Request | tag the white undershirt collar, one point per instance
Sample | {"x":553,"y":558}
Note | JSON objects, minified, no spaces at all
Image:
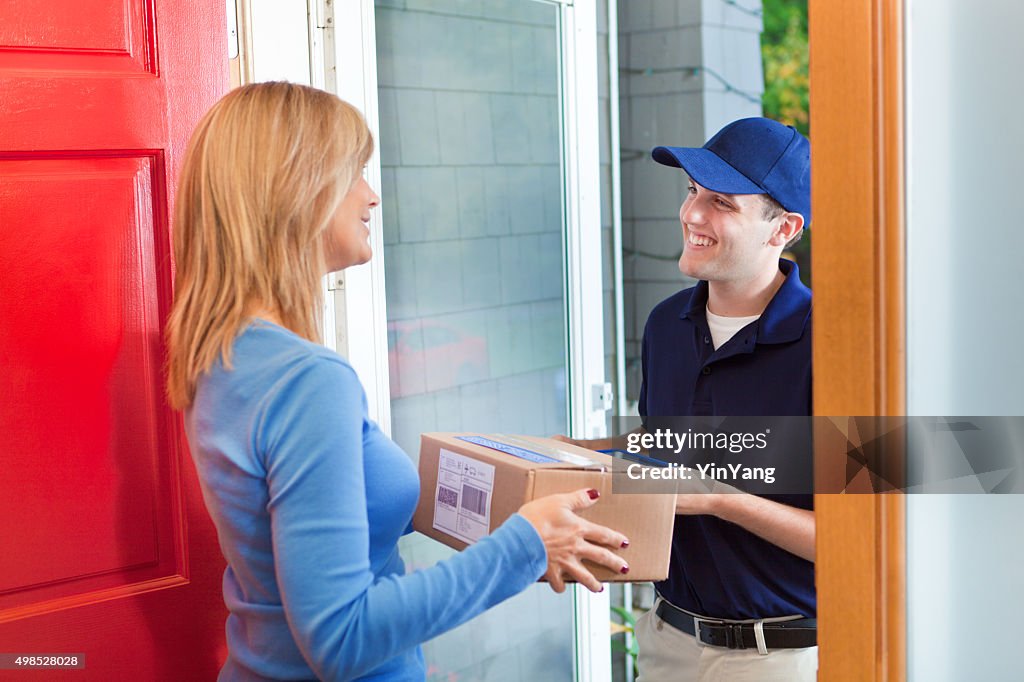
{"x":724,"y":328}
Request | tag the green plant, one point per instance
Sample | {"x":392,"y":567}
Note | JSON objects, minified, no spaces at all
{"x":628,"y":625}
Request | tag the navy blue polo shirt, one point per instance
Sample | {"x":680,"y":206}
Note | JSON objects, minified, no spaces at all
{"x":718,"y":569}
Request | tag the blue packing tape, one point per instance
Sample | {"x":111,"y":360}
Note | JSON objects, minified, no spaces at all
{"x":521,"y":453}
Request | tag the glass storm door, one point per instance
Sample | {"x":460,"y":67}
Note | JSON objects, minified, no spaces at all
{"x":482,"y":309}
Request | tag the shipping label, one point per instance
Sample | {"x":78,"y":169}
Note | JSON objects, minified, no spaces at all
{"x":462,"y":499}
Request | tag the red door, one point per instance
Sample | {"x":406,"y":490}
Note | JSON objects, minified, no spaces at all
{"x":105,"y":547}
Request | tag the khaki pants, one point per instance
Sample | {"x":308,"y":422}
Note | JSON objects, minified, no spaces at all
{"x":669,"y":655}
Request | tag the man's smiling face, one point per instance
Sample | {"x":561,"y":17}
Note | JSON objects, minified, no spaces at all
{"x":726,"y":237}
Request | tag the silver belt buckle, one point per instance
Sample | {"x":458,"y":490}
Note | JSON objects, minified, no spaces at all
{"x":696,"y":632}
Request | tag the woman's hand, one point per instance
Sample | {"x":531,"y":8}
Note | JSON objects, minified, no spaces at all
{"x":569,"y":538}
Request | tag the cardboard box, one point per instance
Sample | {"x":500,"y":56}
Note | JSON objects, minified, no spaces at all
{"x":470,"y":483}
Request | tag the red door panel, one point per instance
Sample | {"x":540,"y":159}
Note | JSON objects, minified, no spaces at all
{"x":88,"y":35}
{"x":105,"y":547}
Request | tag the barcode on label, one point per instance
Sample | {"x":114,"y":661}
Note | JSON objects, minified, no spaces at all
{"x":447,"y":496}
{"x":474,"y":500}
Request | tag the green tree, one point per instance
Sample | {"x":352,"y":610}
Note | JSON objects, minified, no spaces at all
{"x":786,"y":84}
{"x":785,"y":57}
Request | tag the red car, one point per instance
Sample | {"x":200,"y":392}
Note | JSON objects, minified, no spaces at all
{"x":425,"y":355}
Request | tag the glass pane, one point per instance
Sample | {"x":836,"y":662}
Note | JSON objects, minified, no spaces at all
{"x":472,"y":188}
{"x":964,"y":552}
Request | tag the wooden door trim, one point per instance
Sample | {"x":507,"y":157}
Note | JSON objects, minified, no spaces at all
{"x":856,"y":73}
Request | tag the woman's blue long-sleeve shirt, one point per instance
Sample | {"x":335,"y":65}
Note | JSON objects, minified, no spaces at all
{"x":309,"y":499}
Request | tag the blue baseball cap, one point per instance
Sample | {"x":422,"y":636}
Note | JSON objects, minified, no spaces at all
{"x":750,"y":156}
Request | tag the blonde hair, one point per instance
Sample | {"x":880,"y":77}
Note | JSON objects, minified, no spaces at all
{"x":264,"y":173}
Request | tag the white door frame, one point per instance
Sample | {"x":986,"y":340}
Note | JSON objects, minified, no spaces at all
{"x":584,"y":290}
{"x":350,"y":64}
{"x":363,"y":323}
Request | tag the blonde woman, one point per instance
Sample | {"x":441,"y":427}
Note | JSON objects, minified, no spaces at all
{"x":308,"y":496}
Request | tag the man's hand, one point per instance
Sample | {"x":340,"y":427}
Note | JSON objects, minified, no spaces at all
{"x":619,"y":442}
{"x":592,"y":444}
{"x":790,"y":528}
{"x":695,"y":495}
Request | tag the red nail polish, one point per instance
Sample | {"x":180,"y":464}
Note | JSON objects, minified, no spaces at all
{"x":624,"y":570}
{"x":625,"y":544}
{"x":593,"y":493}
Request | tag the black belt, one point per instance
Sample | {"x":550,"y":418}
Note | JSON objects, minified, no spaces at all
{"x":790,"y":634}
